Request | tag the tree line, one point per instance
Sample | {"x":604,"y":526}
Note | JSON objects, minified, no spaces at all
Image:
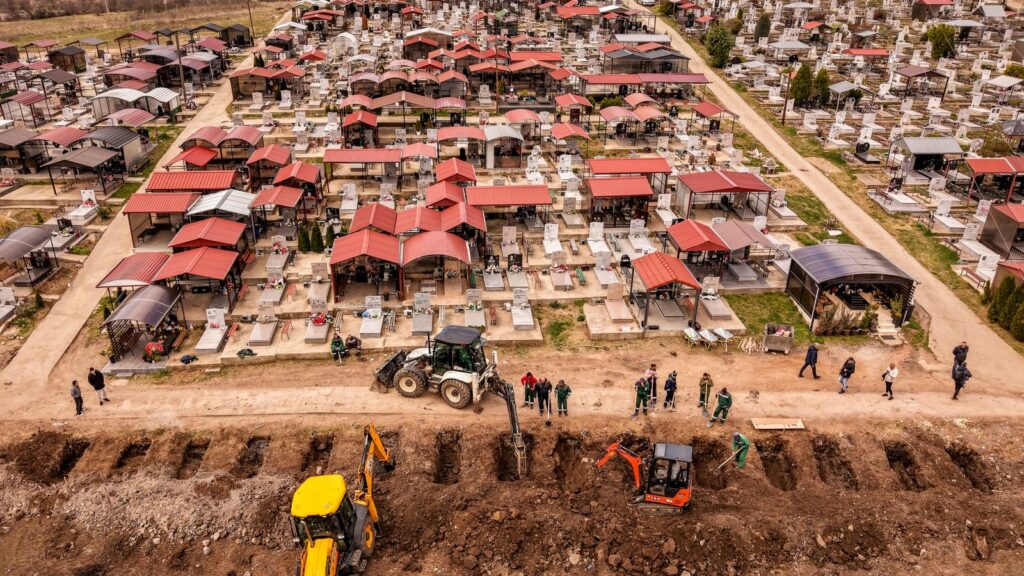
{"x":37,"y":9}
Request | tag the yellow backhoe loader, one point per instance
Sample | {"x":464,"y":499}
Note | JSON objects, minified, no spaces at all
{"x":337,"y":528}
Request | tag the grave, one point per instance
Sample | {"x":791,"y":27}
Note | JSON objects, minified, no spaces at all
{"x":522,"y":312}
{"x":372,"y":324}
{"x":215,"y":333}
{"x":318,"y":325}
{"x":8,"y":304}
{"x":265,"y":327}
{"x":616,"y":305}
{"x":606,"y":275}
{"x":422,"y":315}
{"x":638,"y":237}
{"x":474,"y":315}
{"x":85,"y":212}
{"x":516,"y":274}
{"x":560,"y":277}
{"x":551,"y":241}
{"x":493,"y":279}
{"x":509,"y":241}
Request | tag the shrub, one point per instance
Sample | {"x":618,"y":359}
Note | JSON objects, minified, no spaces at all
{"x":303,"y":239}
{"x":763,"y":28}
{"x":999,"y":300}
{"x":1017,"y":324}
{"x":316,"y":240}
{"x":943,"y":39}
{"x":801,"y":87}
{"x":719,"y":42}
{"x":820,"y":91}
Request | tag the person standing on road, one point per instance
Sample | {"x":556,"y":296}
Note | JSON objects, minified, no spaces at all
{"x":529,"y":383}
{"x":740,"y":447}
{"x":670,"y":391}
{"x":960,"y":355}
{"x":543,"y":392}
{"x":641,"y":397}
{"x":849,"y":367}
{"x":562,"y":393}
{"x":888,"y":376}
{"x":960,"y":377}
{"x":810,"y":361}
{"x":76,"y":395}
{"x":724,"y":404}
{"x":705,"y":393}
{"x":651,"y":375}
{"x":95,"y":380}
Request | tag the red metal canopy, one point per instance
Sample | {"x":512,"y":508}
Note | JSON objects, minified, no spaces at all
{"x":564,"y":130}
{"x":301,"y":171}
{"x":710,"y":109}
{"x":134,"y":270}
{"x":720,"y":181}
{"x":455,"y":170}
{"x":418,"y":218}
{"x":427,"y":244}
{"x":366,"y":243}
{"x":273,"y":153}
{"x":285,"y":196}
{"x":453,"y":132}
{"x":463,"y":213}
{"x":656,"y":165}
{"x":163,"y":203}
{"x":376,"y":215}
{"x":508,"y":196}
{"x":210,"y":232}
{"x":205,"y":262}
{"x":566,"y":100}
{"x":191,"y":180}
{"x":620,"y":187}
{"x":363,"y":156}
{"x":658,"y":269}
{"x":993,"y":166}
{"x":693,"y":236}
{"x":444,"y":194}
{"x":196,"y":156}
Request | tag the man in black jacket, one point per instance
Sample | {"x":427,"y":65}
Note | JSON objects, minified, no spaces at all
{"x":960,"y":377}
{"x":811,"y":359}
{"x":543,"y":389}
{"x":670,"y":391}
{"x":95,"y":379}
{"x":960,"y":355}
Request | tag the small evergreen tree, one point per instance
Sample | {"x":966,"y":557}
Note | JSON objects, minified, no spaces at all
{"x":943,"y":39}
{"x":719,"y":42}
{"x":303,"y":239}
{"x":820,"y":91}
{"x":316,"y":240}
{"x":986,"y":294}
{"x":329,"y":240}
{"x":1017,"y":324}
{"x":1010,"y":308}
{"x":39,"y":301}
{"x":1003,"y":293}
{"x":763,"y":28}
{"x":801,"y":86}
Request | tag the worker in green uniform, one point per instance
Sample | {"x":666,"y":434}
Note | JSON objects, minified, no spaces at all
{"x":740,"y":446}
{"x":642,"y":394}
{"x":562,"y":393}
{"x":705,"y":393}
{"x":724,"y":403}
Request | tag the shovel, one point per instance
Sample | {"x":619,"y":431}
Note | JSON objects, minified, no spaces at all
{"x":727,"y":460}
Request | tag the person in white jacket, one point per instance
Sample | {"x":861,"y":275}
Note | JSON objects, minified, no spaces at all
{"x":888,"y":376}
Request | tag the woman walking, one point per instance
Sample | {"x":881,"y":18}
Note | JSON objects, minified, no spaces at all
{"x":849,"y":367}
{"x":888,"y":376}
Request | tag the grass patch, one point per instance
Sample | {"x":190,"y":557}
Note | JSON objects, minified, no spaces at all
{"x":812,"y":211}
{"x":557,"y":332}
{"x":126,"y":190}
{"x":756,"y":310}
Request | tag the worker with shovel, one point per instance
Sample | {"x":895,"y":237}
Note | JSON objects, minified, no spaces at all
{"x":724,"y":403}
{"x":740,"y":446}
{"x":562,"y":393}
{"x":705,"y":393}
{"x":641,"y":396}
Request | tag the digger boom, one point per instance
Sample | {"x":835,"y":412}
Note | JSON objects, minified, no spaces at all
{"x":508,"y":392}
{"x":373,"y":451}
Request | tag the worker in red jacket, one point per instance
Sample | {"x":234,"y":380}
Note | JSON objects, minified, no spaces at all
{"x":529,"y":383}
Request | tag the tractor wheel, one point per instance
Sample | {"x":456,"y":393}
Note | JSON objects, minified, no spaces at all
{"x":410,"y":382}
{"x":456,"y":394}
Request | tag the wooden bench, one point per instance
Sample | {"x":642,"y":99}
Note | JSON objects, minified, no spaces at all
{"x":289,"y":291}
{"x":233,"y":332}
{"x":492,"y":312}
{"x":973,"y":277}
{"x":176,"y":345}
{"x":286,"y":329}
{"x":581,"y":276}
{"x":242,"y":291}
{"x":536,"y":278}
{"x":575,"y":249}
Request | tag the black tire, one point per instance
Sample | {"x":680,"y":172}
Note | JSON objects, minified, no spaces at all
{"x":456,"y":394}
{"x":410,"y":382}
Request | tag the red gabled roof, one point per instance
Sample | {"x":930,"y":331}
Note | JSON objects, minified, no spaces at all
{"x":564,"y":130}
{"x":419,"y":149}
{"x":934,"y":2}
{"x":209,"y":232}
{"x":566,"y":12}
{"x":991,"y":166}
{"x":1014,"y":211}
{"x":301,"y":171}
{"x":535,"y":55}
{"x":134,"y":270}
{"x":212,"y":44}
{"x":366,"y":243}
{"x":462,"y":213}
{"x":630,"y":186}
{"x":508,"y":196}
{"x":163,"y":203}
{"x":693,"y":236}
{"x":723,"y":181}
{"x":656,"y":165}
{"x":27,"y":98}
{"x":709,"y":109}
{"x":204,"y":262}
{"x":427,"y":244}
{"x":521,"y":115}
{"x":566,"y":100}
{"x":867,"y":52}
{"x":285,"y":196}
{"x":658,"y":269}
{"x":444,"y":194}
{"x":417,"y":218}
{"x":132,"y":117}
{"x":364,"y":117}
{"x":273,"y":153}
{"x":455,"y":170}
{"x":362,"y":156}
{"x":197,"y":180}
{"x":376,"y":215}
{"x":63,"y":137}
{"x":453,"y":132}
{"x":196,"y":156}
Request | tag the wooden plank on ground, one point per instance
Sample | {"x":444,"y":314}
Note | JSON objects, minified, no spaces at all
{"x":777,"y":423}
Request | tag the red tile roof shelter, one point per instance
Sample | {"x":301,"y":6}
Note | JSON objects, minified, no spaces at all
{"x":444,"y":194}
{"x":693,"y":236}
{"x":209,"y":232}
{"x":506,"y":196}
{"x":455,"y":170}
{"x":205,"y":262}
{"x":375,"y":215}
{"x":284,"y":196}
{"x":426,"y":244}
{"x":660,"y":272}
{"x":366,"y":243}
{"x":619,"y":187}
{"x":419,"y":218}
{"x":725,"y":183}
{"x":192,"y":181}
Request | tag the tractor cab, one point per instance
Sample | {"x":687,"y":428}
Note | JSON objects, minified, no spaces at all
{"x":458,"y":348}
{"x":324,"y":524}
{"x":668,"y":474}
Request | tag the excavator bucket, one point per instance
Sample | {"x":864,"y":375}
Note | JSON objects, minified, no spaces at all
{"x":386,"y":373}
{"x":508,"y":393}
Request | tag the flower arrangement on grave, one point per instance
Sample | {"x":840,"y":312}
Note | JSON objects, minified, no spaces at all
{"x":279,"y":248}
{"x":319,"y":319}
{"x":153,"y":352}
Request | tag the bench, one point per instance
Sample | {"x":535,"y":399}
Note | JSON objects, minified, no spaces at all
{"x":536,"y":278}
{"x":573,"y":247}
{"x":233,"y":332}
{"x":290,"y":292}
{"x":242,"y":291}
{"x":581,"y":276}
{"x":973,"y":277}
{"x":286,"y":329}
{"x":492,"y":312}
{"x":176,"y":345}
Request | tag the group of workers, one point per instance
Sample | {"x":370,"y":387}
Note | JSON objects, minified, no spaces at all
{"x":538,"y":391}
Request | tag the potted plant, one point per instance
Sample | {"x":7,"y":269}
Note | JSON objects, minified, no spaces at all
{"x":153,"y":352}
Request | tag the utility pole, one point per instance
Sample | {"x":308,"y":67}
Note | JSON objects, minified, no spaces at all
{"x":181,"y":69}
{"x":785,"y":103}
{"x":252,"y":26}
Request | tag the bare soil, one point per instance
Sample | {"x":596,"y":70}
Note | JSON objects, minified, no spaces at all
{"x":869,"y":496}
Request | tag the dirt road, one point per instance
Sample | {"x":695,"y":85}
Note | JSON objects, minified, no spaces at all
{"x":952,"y":321}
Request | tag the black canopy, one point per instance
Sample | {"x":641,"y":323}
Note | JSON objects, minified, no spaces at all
{"x":22,"y":241}
{"x":458,"y":335}
{"x":829,"y":262}
{"x":148,"y":305}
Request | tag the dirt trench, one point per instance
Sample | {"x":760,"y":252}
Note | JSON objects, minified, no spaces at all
{"x":448,"y":457}
{"x":506,"y":463}
{"x":251,"y":459}
{"x":834,"y":468}
{"x":132,"y":456}
{"x":969,"y":462}
{"x":192,"y":458}
{"x":708,"y":453}
{"x":570,"y":472}
{"x":902,"y":462}
{"x":318,"y":456}
{"x":776,"y":462}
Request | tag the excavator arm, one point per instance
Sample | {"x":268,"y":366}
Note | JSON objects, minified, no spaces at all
{"x":628,"y":455}
{"x":373,"y":451}
{"x":508,"y":392}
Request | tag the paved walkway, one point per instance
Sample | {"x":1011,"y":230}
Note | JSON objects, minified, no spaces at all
{"x":993,"y":361}
{"x":32,"y":366}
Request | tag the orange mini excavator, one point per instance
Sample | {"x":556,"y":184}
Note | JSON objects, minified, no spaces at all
{"x":667,"y":485}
